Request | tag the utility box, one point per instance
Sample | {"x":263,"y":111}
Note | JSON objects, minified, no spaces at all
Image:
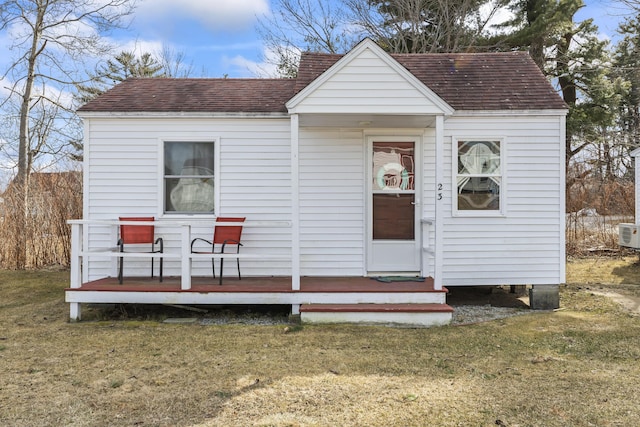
{"x":629,"y":235}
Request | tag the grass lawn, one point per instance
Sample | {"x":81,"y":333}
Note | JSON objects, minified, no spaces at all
{"x":578,"y":366}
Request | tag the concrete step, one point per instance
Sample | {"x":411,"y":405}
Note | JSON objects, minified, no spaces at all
{"x":428,"y":314}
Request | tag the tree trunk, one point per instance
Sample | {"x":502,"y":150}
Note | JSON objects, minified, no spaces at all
{"x":24,"y":146}
{"x":534,"y":11}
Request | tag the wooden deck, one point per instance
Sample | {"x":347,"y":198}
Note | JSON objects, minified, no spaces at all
{"x":258,"y":285}
{"x":319,"y":299}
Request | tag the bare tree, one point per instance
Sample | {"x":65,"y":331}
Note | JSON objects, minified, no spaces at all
{"x":174,"y":63}
{"x":299,"y":25}
{"x":631,"y":4}
{"x":50,"y":40}
{"x":424,"y":26}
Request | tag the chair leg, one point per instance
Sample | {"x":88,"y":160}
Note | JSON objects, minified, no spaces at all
{"x":221,"y":269}
{"x":213,"y":267}
{"x":161,"y":265}
{"x":120,"y":268}
{"x":239,"y":277}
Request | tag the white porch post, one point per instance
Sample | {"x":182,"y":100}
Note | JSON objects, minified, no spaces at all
{"x":439,"y":198}
{"x":185,"y":248}
{"x":75,"y":278}
{"x":76,"y":257}
{"x":295,"y":206}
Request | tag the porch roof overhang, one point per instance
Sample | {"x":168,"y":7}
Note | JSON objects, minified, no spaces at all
{"x":367,"y":121}
{"x":367,"y":88}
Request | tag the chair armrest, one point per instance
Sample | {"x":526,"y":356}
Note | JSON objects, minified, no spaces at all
{"x":231,"y":241}
{"x":121,"y":244}
{"x":160,"y":241}
{"x":201,"y":239}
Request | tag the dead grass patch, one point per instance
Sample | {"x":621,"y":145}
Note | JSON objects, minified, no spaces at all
{"x":579,"y":366}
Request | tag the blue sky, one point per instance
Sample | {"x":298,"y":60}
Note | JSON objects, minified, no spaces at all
{"x":218,"y":37}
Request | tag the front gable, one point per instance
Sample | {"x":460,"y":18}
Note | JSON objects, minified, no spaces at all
{"x":367,"y":81}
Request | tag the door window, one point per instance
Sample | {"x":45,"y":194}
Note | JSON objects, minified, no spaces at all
{"x":393,"y":187}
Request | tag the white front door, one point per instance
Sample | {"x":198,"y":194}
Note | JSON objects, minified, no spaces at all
{"x":393,"y":175}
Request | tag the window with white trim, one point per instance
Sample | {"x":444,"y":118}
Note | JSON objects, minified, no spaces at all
{"x":478,"y":180}
{"x":189,"y":177}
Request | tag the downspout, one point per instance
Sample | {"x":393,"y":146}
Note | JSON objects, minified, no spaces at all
{"x":86,"y":156}
{"x":295,"y":207}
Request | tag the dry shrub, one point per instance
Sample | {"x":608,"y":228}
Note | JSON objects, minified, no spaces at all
{"x":606,"y":198}
{"x":595,"y":207}
{"x":53,"y":199}
{"x":593,"y":234}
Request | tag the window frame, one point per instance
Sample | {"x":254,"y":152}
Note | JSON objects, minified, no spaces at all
{"x":162,"y":178}
{"x":502,"y":211}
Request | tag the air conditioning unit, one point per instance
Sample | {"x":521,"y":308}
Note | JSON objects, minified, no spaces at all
{"x":629,"y":235}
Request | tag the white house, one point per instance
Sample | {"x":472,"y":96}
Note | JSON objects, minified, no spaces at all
{"x":448,"y":167}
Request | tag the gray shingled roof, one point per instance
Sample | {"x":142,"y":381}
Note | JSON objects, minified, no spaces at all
{"x":195,"y":95}
{"x":485,"y":81}
{"x":466,"y":81}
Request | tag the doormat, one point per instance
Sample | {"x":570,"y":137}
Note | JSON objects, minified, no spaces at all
{"x":389,"y":279}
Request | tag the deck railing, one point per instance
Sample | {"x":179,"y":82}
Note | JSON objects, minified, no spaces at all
{"x":81,"y":252}
{"x":428,"y":251}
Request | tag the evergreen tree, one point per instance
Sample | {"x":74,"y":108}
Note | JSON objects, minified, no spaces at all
{"x":627,"y":68}
{"x":123,"y":66}
{"x":424,"y":26}
{"x":571,"y":55}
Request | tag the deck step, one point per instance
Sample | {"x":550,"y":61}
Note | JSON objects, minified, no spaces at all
{"x":376,"y":308}
{"x":428,"y":314}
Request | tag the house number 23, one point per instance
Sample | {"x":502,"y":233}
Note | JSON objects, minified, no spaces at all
{"x":439,"y":191}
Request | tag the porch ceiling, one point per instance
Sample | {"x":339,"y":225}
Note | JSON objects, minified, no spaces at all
{"x":367,"y":121}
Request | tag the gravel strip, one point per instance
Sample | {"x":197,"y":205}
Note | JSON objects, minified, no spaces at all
{"x":462,"y":315}
{"x":469,"y":314}
{"x":244,"y":320}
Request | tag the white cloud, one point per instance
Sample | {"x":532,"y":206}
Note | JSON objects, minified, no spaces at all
{"x":496,"y":15}
{"x":139,"y":47}
{"x":246,"y":67}
{"x":228,"y":15}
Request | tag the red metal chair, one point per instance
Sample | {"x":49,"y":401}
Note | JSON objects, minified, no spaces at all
{"x":223,"y":235}
{"x":136,"y":235}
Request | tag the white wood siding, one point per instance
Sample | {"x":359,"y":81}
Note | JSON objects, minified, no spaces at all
{"x":331,"y":202}
{"x":367,"y":85}
{"x":524,"y":246}
{"x":255,"y":181}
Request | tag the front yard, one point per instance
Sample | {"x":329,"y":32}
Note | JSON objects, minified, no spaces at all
{"x":577,"y":366}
